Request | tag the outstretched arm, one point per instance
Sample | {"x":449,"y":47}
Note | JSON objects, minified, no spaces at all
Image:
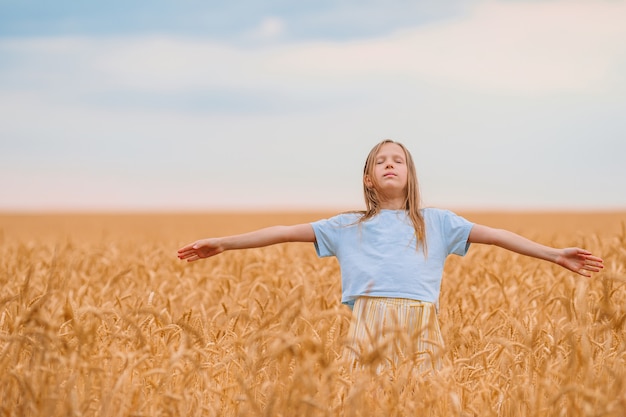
{"x":576,"y":260}
{"x":205,"y":248}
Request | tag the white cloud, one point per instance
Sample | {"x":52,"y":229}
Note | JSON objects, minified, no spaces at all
{"x":270,"y":27}
{"x":393,"y":86}
{"x":503,"y":47}
{"x":512,"y":47}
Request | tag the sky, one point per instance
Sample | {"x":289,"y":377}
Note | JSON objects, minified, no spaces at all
{"x":247,"y":105}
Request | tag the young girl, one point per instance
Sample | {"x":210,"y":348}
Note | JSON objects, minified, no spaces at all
{"x":392,"y":256}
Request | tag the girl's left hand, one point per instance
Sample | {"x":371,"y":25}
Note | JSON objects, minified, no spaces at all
{"x":580,"y":261}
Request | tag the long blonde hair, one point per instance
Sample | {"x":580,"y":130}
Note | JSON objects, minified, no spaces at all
{"x":412,"y":201}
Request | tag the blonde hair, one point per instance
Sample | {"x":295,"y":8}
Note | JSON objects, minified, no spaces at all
{"x":412,"y":199}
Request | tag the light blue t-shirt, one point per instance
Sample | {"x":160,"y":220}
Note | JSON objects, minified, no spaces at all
{"x":378,"y":257}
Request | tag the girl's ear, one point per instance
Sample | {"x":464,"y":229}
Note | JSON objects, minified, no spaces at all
{"x":367,"y":181}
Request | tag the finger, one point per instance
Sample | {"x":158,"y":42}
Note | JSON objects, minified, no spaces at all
{"x":585,"y":269}
{"x":582,"y":270}
{"x":189,"y":257}
{"x":185,"y":255}
{"x":593,"y":258}
{"x":593,"y":268}
{"x":588,"y":268}
{"x":187,"y":247}
{"x":597,"y":262}
{"x":583,"y":253}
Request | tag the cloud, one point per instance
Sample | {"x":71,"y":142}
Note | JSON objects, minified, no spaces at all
{"x":270,"y":27}
{"x":511,"y":47}
{"x":511,"y":75}
{"x":507,"y":47}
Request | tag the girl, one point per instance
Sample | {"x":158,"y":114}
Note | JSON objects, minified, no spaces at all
{"x":391,"y":258}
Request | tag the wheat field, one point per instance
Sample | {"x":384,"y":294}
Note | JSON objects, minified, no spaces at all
{"x":99,"y":318}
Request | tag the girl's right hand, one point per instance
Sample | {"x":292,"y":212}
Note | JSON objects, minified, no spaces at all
{"x":200,"y":249}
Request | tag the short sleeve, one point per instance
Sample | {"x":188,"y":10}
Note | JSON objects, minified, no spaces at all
{"x":326,"y":236}
{"x":456,"y":230}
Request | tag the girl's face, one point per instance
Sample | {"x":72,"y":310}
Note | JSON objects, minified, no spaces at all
{"x":389,"y":174}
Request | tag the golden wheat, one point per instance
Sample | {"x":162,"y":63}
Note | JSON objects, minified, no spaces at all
{"x":99,"y":318}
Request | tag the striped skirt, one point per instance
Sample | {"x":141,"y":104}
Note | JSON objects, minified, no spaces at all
{"x":388,"y":333}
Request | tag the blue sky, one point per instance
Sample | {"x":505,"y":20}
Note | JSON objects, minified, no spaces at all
{"x":274,"y":105}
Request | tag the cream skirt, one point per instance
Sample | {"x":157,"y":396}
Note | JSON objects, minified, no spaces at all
{"x":394,"y":332}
